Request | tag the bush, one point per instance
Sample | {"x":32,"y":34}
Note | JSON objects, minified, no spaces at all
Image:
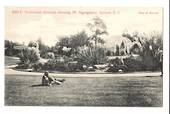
{"x":89,"y":57}
{"x":133,"y":65}
{"x":37,"y":66}
{"x":64,"y":64}
{"x":116,"y":64}
{"x":10,"y":48}
{"x":28,"y":57}
{"x":50,"y":55}
{"x":147,"y":46}
{"x":73,"y":66}
{"x":55,"y":65}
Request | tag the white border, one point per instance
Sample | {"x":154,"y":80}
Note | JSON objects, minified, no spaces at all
{"x":85,"y":110}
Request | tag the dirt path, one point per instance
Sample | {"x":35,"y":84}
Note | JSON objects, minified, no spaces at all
{"x":10,"y":71}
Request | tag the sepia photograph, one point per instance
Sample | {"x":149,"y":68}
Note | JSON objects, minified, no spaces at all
{"x":84,"y":56}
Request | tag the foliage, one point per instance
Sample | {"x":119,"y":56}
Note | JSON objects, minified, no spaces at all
{"x":108,"y":53}
{"x":9,"y":48}
{"x":116,"y":64}
{"x":117,"y":50}
{"x":147,"y":46}
{"x":33,"y":44}
{"x":72,"y":43}
{"x":145,"y":43}
{"x":128,"y":64}
{"x":54,"y":65}
{"x":28,"y":57}
{"x":44,"y":49}
{"x":75,"y":45}
{"x":98,"y":29}
{"x":50,"y":55}
{"x":37,"y":66}
{"x":122,"y":49}
{"x":86,"y":55}
{"x":133,"y":65}
{"x":57,"y":64}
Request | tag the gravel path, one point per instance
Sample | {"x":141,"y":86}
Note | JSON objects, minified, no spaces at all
{"x":10,"y":71}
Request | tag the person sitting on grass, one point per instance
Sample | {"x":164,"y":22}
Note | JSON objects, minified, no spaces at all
{"x":47,"y":80}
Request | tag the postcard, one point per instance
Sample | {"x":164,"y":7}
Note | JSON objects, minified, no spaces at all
{"x":84,"y":56}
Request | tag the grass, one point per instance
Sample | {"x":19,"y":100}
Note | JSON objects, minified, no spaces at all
{"x":11,"y":60}
{"x":82,"y":91}
{"x":115,"y":91}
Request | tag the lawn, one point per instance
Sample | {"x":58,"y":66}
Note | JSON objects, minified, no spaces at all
{"x":110,"y":91}
{"x":24,"y":90}
{"x":11,"y":60}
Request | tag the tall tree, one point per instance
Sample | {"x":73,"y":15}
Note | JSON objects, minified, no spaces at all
{"x":44,"y":49}
{"x":98,"y":28}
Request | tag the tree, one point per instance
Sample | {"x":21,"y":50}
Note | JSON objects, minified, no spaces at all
{"x":44,"y":49}
{"x":79,"y":39}
{"x":117,"y":50}
{"x":108,"y":53}
{"x":122,"y":48}
{"x":98,"y":28}
{"x":146,"y":46}
{"x":122,"y":45}
{"x":145,"y":43}
{"x":72,"y":43}
{"x":10,"y":48}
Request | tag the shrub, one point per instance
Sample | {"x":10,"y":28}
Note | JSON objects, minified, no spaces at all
{"x":65,"y":64}
{"x":89,"y":57}
{"x":28,"y":57}
{"x":37,"y":66}
{"x":48,"y":55}
{"x":10,"y":48}
{"x":116,"y":64}
{"x":133,"y":65}
{"x":54,"y":64}
{"x":147,"y":46}
{"x":73,"y":66}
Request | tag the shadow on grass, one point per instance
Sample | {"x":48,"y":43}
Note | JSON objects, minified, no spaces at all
{"x":40,"y":85}
{"x":37,"y":85}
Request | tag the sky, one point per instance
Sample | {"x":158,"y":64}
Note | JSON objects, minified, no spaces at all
{"x":24,"y":24}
